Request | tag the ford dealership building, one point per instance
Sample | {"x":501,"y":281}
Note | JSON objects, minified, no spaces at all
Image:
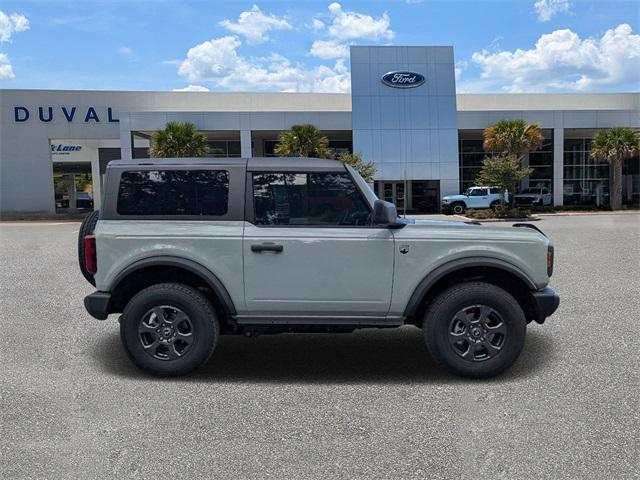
{"x":403,"y":113}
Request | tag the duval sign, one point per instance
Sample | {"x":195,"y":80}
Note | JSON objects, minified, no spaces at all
{"x":47,"y":114}
{"x":402,"y":79}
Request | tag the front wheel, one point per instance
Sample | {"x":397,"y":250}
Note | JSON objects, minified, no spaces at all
{"x":169,"y":329}
{"x":475,"y":329}
{"x":458,"y":208}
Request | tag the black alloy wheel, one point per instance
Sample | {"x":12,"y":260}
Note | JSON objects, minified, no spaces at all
{"x":477,"y":333}
{"x":165,"y":332}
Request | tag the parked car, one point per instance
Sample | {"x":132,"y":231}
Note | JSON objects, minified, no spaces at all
{"x":473,"y":197}
{"x":534,"y":196}
{"x":220,"y":258}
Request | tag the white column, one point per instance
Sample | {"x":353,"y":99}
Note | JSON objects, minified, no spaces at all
{"x":96,"y":181}
{"x":126,"y":147}
{"x":245,"y":144}
{"x":558,"y":166}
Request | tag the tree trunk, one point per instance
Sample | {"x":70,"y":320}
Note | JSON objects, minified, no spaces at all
{"x":615,"y":195}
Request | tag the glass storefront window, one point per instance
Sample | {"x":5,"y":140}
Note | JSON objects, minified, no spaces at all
{"x":472,"y":154}
{"x":224,"y":148}
{"x":586,"y":181}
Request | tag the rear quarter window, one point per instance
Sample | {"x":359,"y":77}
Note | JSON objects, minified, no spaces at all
{"x":173,"y":193}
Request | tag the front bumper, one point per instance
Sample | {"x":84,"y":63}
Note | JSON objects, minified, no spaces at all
{"x":545,"y":302}
{"x":97,"y":304}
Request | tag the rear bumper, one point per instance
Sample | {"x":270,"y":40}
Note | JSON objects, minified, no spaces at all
{"x":97,"y":304}
{"x":545,"y":302}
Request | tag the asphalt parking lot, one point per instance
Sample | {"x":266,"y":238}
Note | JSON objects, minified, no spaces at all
{"x":364,"y":405}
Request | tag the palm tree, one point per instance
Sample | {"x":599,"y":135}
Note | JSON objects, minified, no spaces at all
{"x":614,"y":146}
{"x":303,"y":141}
{"x":513,"y":139}
{"x":178,"y":140}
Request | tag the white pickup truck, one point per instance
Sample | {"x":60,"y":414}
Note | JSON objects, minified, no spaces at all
{"x":473,"y":197}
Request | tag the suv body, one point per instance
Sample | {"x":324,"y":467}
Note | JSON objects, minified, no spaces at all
{"x":264,"y":244}
{"x":473,"y":197}
{"x":534,"y":196}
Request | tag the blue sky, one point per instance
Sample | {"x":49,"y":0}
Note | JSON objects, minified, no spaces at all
{"x":500,"y":46}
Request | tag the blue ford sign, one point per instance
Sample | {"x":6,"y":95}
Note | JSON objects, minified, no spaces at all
{"x":403,"y":79}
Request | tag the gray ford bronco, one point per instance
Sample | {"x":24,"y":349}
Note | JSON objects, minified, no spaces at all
{"x":187,"y":250}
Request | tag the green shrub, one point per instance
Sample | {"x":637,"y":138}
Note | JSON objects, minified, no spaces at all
{"x":487,"y":213}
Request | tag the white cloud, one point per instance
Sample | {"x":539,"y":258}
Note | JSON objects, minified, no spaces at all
{"x":254,"y":25}
{"x":317,"y":25}
{"x":210,"y":59}
{"x":218,"y":61}
{"x":192,"y":88}
{"x":562,"y":60}
{"x":10,"y":24}
{"x":327,"y":49}
{"x":6,"y":70}
{"x":125,"y":51}
{"x":351,"y":25}
{"x":547,"y":9}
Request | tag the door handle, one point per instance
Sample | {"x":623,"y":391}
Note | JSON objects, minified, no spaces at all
{"x":267,"y":247}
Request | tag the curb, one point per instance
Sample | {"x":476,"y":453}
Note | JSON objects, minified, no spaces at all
{"x":534,"y":218}
{"x":576,"y":214}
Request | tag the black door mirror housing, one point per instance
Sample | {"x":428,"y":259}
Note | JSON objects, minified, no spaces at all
{"x":386,"y":214}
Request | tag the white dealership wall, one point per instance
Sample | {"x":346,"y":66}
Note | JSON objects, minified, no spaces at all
{"x":409,"y":133}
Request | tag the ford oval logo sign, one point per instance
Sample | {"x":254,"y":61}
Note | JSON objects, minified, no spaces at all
{"x":403,"y":79}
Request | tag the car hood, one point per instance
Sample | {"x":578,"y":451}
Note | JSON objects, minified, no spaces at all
{"x":454,"y":197}
{"x":418,"y":228}
{"x":527,"y":195}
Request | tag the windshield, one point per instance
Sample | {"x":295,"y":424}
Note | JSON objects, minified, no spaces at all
{"x":531,"y":190}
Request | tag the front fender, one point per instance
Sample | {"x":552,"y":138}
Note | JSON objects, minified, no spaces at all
{"x":454,"y":265}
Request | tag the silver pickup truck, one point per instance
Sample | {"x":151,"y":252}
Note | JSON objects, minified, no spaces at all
{"x":187,"y":250}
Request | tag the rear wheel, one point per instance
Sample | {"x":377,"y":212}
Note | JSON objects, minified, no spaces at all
{"x":169,"y":329}
{"x":475,"y":329}
{"x":86,"y":228}
{"x":458,"y":208}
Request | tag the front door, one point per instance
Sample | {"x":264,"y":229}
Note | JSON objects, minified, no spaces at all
{"x":309,"y":250}
{"x":478,"y":198}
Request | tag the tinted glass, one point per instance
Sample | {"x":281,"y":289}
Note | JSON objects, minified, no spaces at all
{"x":477,"y":192}
{"x":330,"y":199}
{"x":173,"y":192}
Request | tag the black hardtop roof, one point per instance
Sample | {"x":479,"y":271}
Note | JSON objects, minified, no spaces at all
{"x":251,"y":164}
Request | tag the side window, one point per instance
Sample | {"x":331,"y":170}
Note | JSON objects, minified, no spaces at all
{"x":174,"y":192}
{"x":478,"y":192}
{"x":325,"y":199}
{"x":494,"y":191}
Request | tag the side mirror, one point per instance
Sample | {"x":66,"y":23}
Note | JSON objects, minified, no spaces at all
{"x":386,"y":214}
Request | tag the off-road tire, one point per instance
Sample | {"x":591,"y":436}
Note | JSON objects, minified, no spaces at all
{"x":200,"y":313}
{"x":86,"y":228}
{"x":458,"y":208}
{"x":440,"y":316}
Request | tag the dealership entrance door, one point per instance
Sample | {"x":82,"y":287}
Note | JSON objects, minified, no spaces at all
{"x":411,"y":196}
{"x":73,"y":186}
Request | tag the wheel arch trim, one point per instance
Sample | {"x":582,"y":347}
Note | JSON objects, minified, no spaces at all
{"x":189,"y":265}
{"x":460,"y":264}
